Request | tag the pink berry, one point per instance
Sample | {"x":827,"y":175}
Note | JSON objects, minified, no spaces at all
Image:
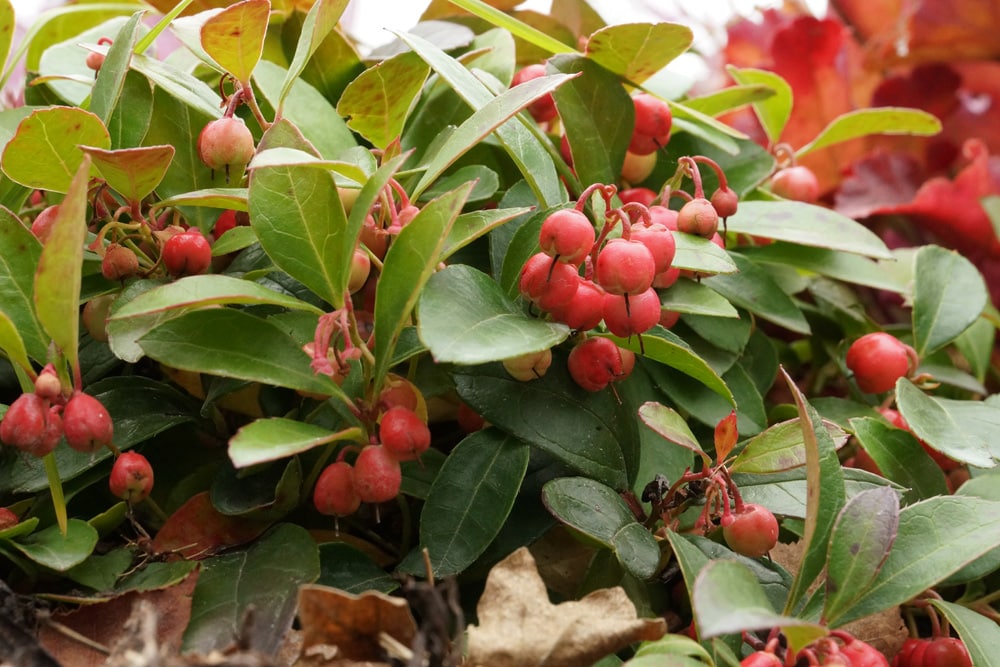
{"x":334,"y":494}
{"x":637,"y":167}
{"x":23,"y":424}
{"x":41,"y":226}
{"x":547,"y":282}
{"x":632,"y":314}
{"x":653,"y":120}
{"x":698,"y":217}
{"x":667,"y":278}
{"x":659,"y":240}
{"x":643,"y":196}
{"x":751,"y":532}
{"x":7,"y":519}
{"x":664,"y":216}
{"x":86,"y":423}
{"x":398,"y":391}
{"x":131,"y":477}
{"x":725,"y":201}
{"x":187,"y":254}
{"x":403,"y":435}
{"x":797,"y":183}
{"x":377,"y":475}
{"x":47,"y":384}
{"x":361,"y":267}
{"x":226,"y":143}
{"x":625,"y":267}
{"x":585,"y":310}
{"x":567,"y":235}
{"x":879,"y":359}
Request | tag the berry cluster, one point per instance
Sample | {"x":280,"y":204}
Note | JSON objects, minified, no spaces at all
{"x":840,"y":649}
{"x":933,"y":652}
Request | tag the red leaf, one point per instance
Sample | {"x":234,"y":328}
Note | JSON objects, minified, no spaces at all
{"x":726,"y":436}
{"x":197,"y":529}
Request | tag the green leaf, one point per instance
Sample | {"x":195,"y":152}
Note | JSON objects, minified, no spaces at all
{"x":110,"y":81}
{"x":689,"y":296}
{"x":226,"y":198}
{"x":597,"y":116}
{"x":665,"y":347}
{"x":483,"y":122}
{"x":352,"y":571}
{"x":866,"y":122}
{"x":637,"y":51}
{"x":183,"y":88}
{"x":58,"y":277}
{"x":378,"y":101}
{"x":842,"y":266}
{"x":728,"y":599}
{"x":754,"y":289}
{"x":786,"y":492}
{"x":530,"y":156}
{"x":319,"y":23}
{"x":234,"y":37}
{"x":697,"y":254}
{"x":859,"y":544}
{"x":51,"y":549}
{"x":825,"y":494}
{"x":472,"y":225}
{"x":264,"y":577}
{"x":900,"y":458}
{"x":7,"y":22}
{"x":582,"y":429}
{"x":465,"y":318}
{"x":808,"y":225}
{"x":268,"y":493}
{"x":936,"y":538}
{"x":976,"y":345}
{"x":781,"y":447}
{"x":19,"y":255}
{"x":517,"y":28}
{"x":156,"y":576}
{"x":130,"y":121}
{"x":44,"y":152}
{"x":773,"y":112}
{"x":729,"y":98}
{"x":979,"y":633}
{"x":470,"y":499}
{"x":949,"y":294}
{"x":277,"y":438}
{"x":932,"y":420}
{"x":409,"y":264}
{"x":598,"y":512}
{"x":301,"y":223}
{"x":133,"y":172}
{"x":228,"y":343}
{"x":671,"y":426}
{"x":12,"y":345}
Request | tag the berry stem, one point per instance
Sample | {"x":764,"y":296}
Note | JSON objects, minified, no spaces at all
{"x":692,"y":170}
{"x":56,"y":490}
{"x":723,"y":183}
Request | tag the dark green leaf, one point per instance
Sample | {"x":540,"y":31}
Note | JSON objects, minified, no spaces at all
{"x":276,"y":438}
{"x":51,"y":549}
{"x":267,"y":494}
{"x":665,"y":347}
{"x":753,"y":288}
{"x":949,"y":294}
{"x":900,"y":458}
{"x":110,"y":81}
{"x":19,"y":255}
{"x":689,"y":296}
{"x":942,"y":426}
{"x":472,"y":225}
{"x":780,"y":447}
{"x":842,"y":266}
{"x":344,"y":567}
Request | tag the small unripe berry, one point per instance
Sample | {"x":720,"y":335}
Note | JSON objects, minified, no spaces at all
{"x":403,"y":434}
{"x":625,"y":267}
{"x":86,"y":423}
{"x":41,"y":226}
{"x":398,"y":391}
{"x":7,"y":519}
{"x":95,"y":316}
{"x":698,"y":217}
{"x":530,"y":366}
{"x":752,"y":532}
{"x":568,"y":235}
{"x":94,"y":60}
{"x":797,"y":183}
{"x":131,"y":477}
{"x":643,"y":196}
{"x":226,"y":143}
{"x":377,"y":475}
{"x":119,"y":263}
{"x":47,"y":384}
{"x":879,"y":359}
{"x":544,"y":108}
{"x":725,"y":201}
{"x":334,"y":494}
{"x":636,"y":168}
{"x":187,"y":254}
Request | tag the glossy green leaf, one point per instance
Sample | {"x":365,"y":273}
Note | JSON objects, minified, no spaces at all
{"x":349,"y":569}
{"x":183,"y":88}
{"x":842,"y":266}
{"x":728,"y":599}
{"x":100,"y":571}
{"x":697,"y":254}
{"x":713,"y":132}
{"x":597,"y":117}
{"x":473,"y":225}
{"x":900,"y":458}
{"x":729,"y":98}
{"x":671,"y":426}
{"x":979,"y":633}
{"x":674,"y":645}
{"x":785,"y":492}
{"x":774,"y":112}
{"x":409,"y":264}
{"x":859,"y":544}
{"x":482,"y":123}
{"x":465,"y":318}
{"x":866,"y":122}
{"x":937,"y":425}
{"x":301,"y":224}
{"x":976,"y":346}
{"x":667,"y":348}
{"x":377,"y":102}
{"x":936,"y":537}
{"x":582,"y":429}
{"x":530,"y":156}
{"x":598,"y":512}
{"x":234,"y":38}
{"x":268,"y":493}
{"x":62,"y":66}
{"x":44,"y":152}
{"x":637,"y":51}
{"x":19,"y":255}
{"x":293,"y":157}
{"x":228,"y":342}
{"x":110,"y":83}
{"x":808,"y":225}
{"x":949,"y":294}
{"x":781,"y":447}
{"x":226,"y":198}
{"x":470,"y":499}
{"x":59,"y":273}
{"x":132,"y":172}
{"x":754,"y":289}
{"x":277,"y":438}
{"x":12,"y":345}
{"x":204,"y":291}
{"x":264,"y":577}
{"x":319,"y":23}
{"x":51,"y":549}
{"x":517,"y":28}
{"x":130,"y":121}
{"x":689,"y":296}
{"x":825,"y":494}
{"x":234,"y":240}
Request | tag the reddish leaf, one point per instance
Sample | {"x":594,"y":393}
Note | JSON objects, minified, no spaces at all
{"x":879,"y":182}
{"x":726,"y":436}
{"x":197,"y":530}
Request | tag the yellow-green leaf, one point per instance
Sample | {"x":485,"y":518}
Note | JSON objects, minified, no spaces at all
{"x":132,"y":172}
{"x":637,"y":51}
{"x":234,"y":37}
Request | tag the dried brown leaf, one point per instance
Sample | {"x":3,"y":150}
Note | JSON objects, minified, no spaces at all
{"x":520,"y":627}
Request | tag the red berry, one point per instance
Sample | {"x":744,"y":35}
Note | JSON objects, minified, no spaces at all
{"x":86,"y":423}
{"x":797,"y":183}
{"x":585,"y":310}
{"x":568,"y":235}
{"x":761,"y":659}
{"x":399,"y":391}
{"x":653,"y":120}
{"x":625,"y":267}
{"x":131,"y":477}
{"x":530,"y":366}
{"x":361,"y":267}
{"x":879,"y":359}
{"x":334,"y":494}
{"x":663,"y":216}
{"x":226,"y":143}
{"x":377,"y":475}
{"x":24,"y":423}
{"x":544,"y":108}
{"x":698,"y":217}
{"x":94,"y":60}
{"x":403,"y":434}
{"x":862,"y":654}
{"x":725,"y":201}
{"x":667,"y":278}
{"x":751,"y":532}
{"x":7,"y":518}
{"x":643,"y":196}
{"x":595,"y":363}
{"x":41,"y":226}
{"x":187,"y":254}
{"x":468,"y":419}
{"x":119,"y":263}
{"x":946,"y":652}
{"x":226,"y":221}
{"x":630,"y":314}
{"x":547,"y":282}
{"x":669,"y":318}
{"x":659,"y":240}
{"x":911,"y":654}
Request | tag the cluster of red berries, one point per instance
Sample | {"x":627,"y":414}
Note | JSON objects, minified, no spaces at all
{"x":933,"y":652}
{"x":840,"y":649}
{"x":36,"y":421}
{"x":376,"y":475}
